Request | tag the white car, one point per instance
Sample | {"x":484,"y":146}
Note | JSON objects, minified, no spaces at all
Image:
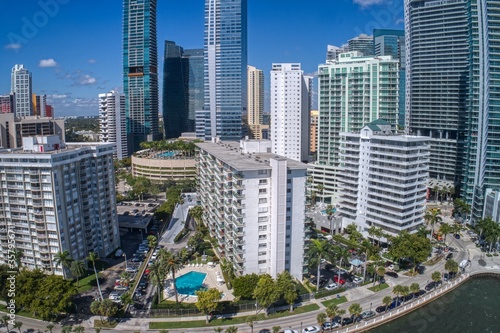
{"x":311,"y":329}
{"x":357,"y":279}
{"x":331,"y":286}
{"x":131,"y":269}
{"x":290,"y":331}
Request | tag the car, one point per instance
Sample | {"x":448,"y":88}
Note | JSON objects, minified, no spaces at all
{"x":392,"y":274}
{"x":408,"y":297}
{"x":431,"y":286}
{"x":420,"y":269}
{"x":289,"y":331}
{"x":357,"y":279}
{"x":449,"y":256}
{"x":311,"y":329}
{"x":449,"y":276}
{"x":330,"y":325}
{"x":396,"y":301}
{"x":340,"y":281}
{"x":125,"y":213}
{"x":265,"y":330}
{"x":419,"y":293}
{"x":464,"y":263}
{"x":367,"y":314}
{"x":121,"y":288}
{"x":347,"y":321}
{"x":381,"y":309}
{"x":136,"y":259}
{"x":131,"y":269}
{"x":331,"y":286}
{"x":457,"y":236}
{"x":381,"y":280}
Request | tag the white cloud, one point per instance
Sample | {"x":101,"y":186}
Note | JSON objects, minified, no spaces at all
{"x":47,"y":63}
{"x":58,"y":96}
{"x":87,"y":79}
{"x":368,"y":3}
{"x":92,"y":61}
{"x":13,"y":46}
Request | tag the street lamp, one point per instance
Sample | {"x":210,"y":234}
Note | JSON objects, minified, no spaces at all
{"x":126,"y":265}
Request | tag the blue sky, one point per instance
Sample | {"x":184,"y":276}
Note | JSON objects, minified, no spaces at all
{"x":73,"y":47}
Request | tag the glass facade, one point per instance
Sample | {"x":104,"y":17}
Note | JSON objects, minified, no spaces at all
{"x":140,"y":71}
{"x":225,"y":70}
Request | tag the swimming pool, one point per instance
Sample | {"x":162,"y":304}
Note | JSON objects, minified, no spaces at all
{"x":190,"y":282}
{"x":166,"y":154}
{"x":324,"y":211}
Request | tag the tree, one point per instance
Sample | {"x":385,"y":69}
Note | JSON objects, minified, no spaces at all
{"x":276,"y":329}
{"x":266,"y":293}
{"x":66,"y":329}
{"x":371,"y":232}
{"x":332,"y":311}
{"x":343,"y":255}
{"x":320,"y":249}
{"x":405,"y":291}
{"x":95,"y":308}
{"x":397,"y":290}
{"x":197,"y":213}
{"x":250,"y":321}
{"x":321,"y":318}
{"x":152,"y":241}
{"x":330,"y":210}
{"x":387,"y":300}
{"x":244,"y":285}
{"x":50,"y":326}
{"x":410,"y":246}
{"x":77,"y":268}
{"x":125,"y":278}
{"x":380,"y":272}
{"x":287,"y":288}
{"x":414,"y":287}
{"x":97,"y":329}
{"x":172,"y":264}
{"x":63,"y":259}
{"x":127,"y":299}
{"x":321,"y":189}
{"x":355,"y":309}
{"x":156,"y":276}
{"x":422,"y":231}
{"x":445,"y":229}
{"x":18,"y":256}
{"x":341,"y":312}
{"x":108,"y":308}
{"x":218,"y":329}
{"x":93,"y":257}
{"x":433,"y":216}
{"x":53,"y":296}
{"x":451,"y":266}
{"x":351,"y":228}
{"x":232,"y":329}
{"x":208,"y":301}
{"x":6,"y":322}
{"x":18,"y":325}
{"x":436,"y":276}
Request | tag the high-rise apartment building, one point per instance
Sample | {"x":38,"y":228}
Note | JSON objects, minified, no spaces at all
{"x":383,"y":177}
{"x":254,"y":206}
{"x":112,"y":122}
{"x":140,"y":71}
{"x":362,"y":44}
{"x":7,"y":103}
{"x":182,"y":88}
{"x":314,"y":130}
{"x":21,"y":87}
{"x":225,"y":70}
{"x":392,"y":42}
{"x":255,"y":96}
{"x":290,"y":111}
{"x":57,"y":198}
{"x":39,"y":105}
{"x":353,"y":91}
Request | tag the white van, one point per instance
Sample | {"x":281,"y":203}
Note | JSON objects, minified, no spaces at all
{"x":464,"y":263}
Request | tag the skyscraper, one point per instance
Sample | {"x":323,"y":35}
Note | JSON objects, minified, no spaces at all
{"x":140,"y":71}
{"x":39,"y":105}
{"x":290,"y":111}
{"x":392,"y":42}
{"x":7,"y":103}
{"x":21,"y":87}
{"x":225,"y":70}
{"x":255,"y":96}
{"x":182,"y":88}
{"x":362,"y":44}
{"x":112,"y":122}
{"x":353,"y":91}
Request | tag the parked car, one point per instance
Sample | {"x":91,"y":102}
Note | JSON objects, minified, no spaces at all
{"x":265,"y":330}
{"x":457,"y":236}
{"x":419,"y":293}
{"x":121,"y":288}
{"x":330,"y":325}
{"x":340,"y":281}
{"x":367,"y":314}
{"x":347,"y":321}
{"x":357,"y":279}
{"x":408,"y":297}
{"x":331,"y":286}
{"x":289,"y":331}
{"x":449,"y":256}
{"x":431,"y":286}
{"x":137,"y":259}
{"x":381,"y":309}
{"x":131,"y":269}
{"x":311,"y":329}
{"x":392,"y":274}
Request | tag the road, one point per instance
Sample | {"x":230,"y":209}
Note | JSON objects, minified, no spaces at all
{"x":177,"y":221}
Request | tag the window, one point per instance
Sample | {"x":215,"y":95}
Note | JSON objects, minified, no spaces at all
{"x":262,"y":181}
{"x":262,"y":237}
{"x":263,"y":228}
{"x":262,"y":191}
{"x":262,"y":262}
{"x":262,"y":245}
{"x":263,"y":219}
{"x":262,"y":200}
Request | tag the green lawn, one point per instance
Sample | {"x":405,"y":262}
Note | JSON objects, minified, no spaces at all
{"x":335,"y":301}
{"x":86,"y":283}
{"x":379,"y":287}
{"x":229,"y":321}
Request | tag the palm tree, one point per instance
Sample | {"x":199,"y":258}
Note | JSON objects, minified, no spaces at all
{"x":18,"y":325}
{"x":380,"y":272}
{"x":371,"y":232}
{"x":329,"y":212}
{"x":451,"y":266}
{"x":50,"y":326}
{"x":332,"y":311}
{"x":218,"y":329}
{"x":232,"y":329}
{"x":397,"y":290}
{"x":414,"y":287}
{"x":63,"y":259}
{"x":126,"y":277}
{"x":321,"y":318}
{"x":77,"y":269}
{"x":422,"y":231}
{"x":93,"y":257}
{"x":355,"y":309}
{"x":18,"y":255}
{"x":387,"y":300}
{"x":343,"y":255}
{"x":276,"y":329}
{"x":6,"y":321}
{"x":152,"y":241}
{"x":340,"y":313}
{"x":433,"y":216}
{"x":405,"y":291}
{"x":445,"y":229}
{"x":79,"y":329}
{"x":172,"y":264}
{"x":320,"y":249}
{"x":157,"y":275}
{"x":321,"y":188}
{"x":251,"y":321}
{"x":436,"y":276}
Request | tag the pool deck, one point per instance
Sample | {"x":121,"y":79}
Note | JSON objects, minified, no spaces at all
{"x":210,"y":281}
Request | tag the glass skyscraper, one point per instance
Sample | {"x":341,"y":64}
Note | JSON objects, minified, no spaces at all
{"x":225,"y":70}
{"x":392,"y":42}
{"x":21,"y":87}
{"x":140,"y":71}
{"x":182,"y":88}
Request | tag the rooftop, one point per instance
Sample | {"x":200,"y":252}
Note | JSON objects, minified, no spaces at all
{"x":230,"y":153}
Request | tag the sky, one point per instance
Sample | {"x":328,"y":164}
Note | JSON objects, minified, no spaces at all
{"x":74,"y":47}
